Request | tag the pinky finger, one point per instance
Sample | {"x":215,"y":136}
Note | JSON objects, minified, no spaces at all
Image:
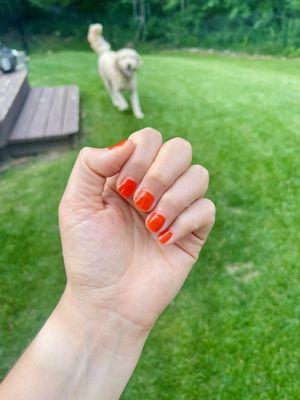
{"x":191,"y":226}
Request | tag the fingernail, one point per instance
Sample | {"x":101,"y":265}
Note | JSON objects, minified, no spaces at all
{"x":165,"y":236}
{"x":127,"y":187}
{"x":144,"y":200}
{"x":155,"y":221}
{"x":117,"y":144}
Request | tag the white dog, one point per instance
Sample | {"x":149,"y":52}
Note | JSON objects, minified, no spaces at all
{"x":117,"y":70}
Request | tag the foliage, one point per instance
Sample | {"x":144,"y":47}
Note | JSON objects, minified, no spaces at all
{"x":267,"y":25}
{"x":233,"y":331}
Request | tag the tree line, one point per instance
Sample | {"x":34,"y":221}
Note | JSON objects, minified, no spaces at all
{"x":266,"y":25}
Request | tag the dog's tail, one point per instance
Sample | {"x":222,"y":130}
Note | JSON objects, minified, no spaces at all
{"x":96,"y":40}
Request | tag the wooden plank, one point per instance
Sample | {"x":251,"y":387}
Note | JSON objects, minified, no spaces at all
{"x":49,"y":114}
{"x":40,"y":119}
{"x":13,"y":113}
{"x":29,"y":110}
{"x":5,"y":88}
{"x":56,"y":117}
{"x":10,"y":85}
{"x":71,"y":117}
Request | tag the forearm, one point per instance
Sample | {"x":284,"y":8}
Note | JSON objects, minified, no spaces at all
{"x":73,"y":358}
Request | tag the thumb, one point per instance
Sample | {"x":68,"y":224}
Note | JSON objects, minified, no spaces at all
{"x":92,"y":167}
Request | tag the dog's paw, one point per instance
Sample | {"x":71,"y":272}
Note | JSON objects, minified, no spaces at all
{"x":123,"y":107}
{"x":139,"y":115}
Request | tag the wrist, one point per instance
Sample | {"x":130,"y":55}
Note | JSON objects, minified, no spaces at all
{"x":99,"y":326}
{"x":109,"y":345}
{"x":74,"y":347}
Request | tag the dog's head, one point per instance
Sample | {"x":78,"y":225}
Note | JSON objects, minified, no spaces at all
{"x":128,"y":61}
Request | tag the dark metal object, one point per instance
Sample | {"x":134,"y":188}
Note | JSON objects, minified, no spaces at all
{"x":8,"y":59}
{"x":11,"y":59}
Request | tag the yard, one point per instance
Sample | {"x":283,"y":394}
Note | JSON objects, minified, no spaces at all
{"x":233,"y":332}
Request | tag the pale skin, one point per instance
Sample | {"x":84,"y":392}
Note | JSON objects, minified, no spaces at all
{"x":120,"y":274}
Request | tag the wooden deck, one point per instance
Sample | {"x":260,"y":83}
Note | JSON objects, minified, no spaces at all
{"x":14,"y":89}
{"x":37,"y":119}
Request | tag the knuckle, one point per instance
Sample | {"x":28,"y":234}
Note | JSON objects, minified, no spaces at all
{"x":183,"y":144}
{"x":115,"y":164}
{"x":194,"y":225}
{"x":202,"y":174}
{"x":201,"y":171}
{"x":159,"y":178}
{"x":187,"y":226}
{"x":169,"y":203}
{"x":153,"y":133}
{"x":211,"y":209}
{"x":84,"y":153}
{"x":137,"y":166}
{"x":205,"y":174}
{"x":148,"y":137}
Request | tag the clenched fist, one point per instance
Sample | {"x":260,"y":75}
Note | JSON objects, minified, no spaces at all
{"x":133,"y":220}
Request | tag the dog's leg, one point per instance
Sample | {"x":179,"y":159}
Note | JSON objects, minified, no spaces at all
{"x":110,"y":92}
{"x":114,"y":98}
{"x":135,"y":102}
{"x":122,"y":103}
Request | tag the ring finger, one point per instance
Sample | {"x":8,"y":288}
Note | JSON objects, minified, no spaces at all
{"x":189,"y":187}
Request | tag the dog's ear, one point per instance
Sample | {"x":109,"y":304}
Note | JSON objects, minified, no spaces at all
{"x":117,"y":63}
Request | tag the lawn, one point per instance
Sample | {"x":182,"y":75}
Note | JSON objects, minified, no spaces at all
{"x":234,"y":330}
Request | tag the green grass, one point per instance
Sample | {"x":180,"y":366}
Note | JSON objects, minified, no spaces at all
{"x":233,"y":331}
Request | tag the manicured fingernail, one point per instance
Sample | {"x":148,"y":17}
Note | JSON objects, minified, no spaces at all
{"x":144,"y":200}
{"x":127,"y":187}
{"x":155,"y":221}
{"x":165,"y":236}
{"x":117,"y":144}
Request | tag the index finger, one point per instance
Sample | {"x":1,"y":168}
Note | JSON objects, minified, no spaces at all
{"x":147,"y":142}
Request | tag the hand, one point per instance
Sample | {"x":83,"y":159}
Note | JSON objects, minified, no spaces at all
{"x":133,"y":220}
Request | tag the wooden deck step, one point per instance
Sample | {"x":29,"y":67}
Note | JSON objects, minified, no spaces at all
{"x":48,"y":113}
{"x":14,"y":89}
{"x":38,"y":119}
{"x":49,"y":118}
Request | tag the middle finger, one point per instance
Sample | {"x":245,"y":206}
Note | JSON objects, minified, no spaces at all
{"x":172,"y":160}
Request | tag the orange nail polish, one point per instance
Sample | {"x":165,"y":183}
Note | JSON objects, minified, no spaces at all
{"x":155,"y":221}
{"x":144,"y":200}
{"x":165,"y":236}
{"x":117,"y":144}
{"x":127,"y":187}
